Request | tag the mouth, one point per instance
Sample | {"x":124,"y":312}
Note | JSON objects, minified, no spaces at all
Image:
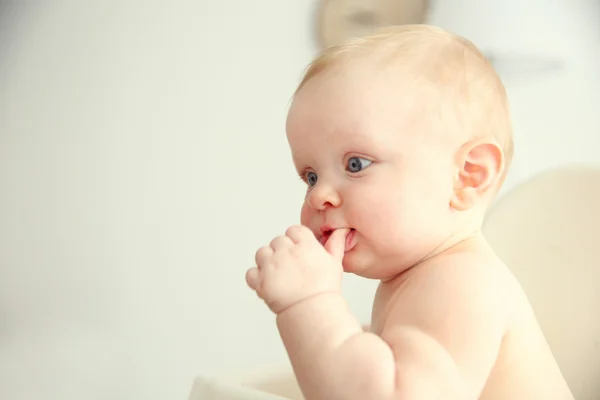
{"x":350,"y":242}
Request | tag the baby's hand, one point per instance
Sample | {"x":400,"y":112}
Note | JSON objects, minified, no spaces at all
{"x":296,"y":266}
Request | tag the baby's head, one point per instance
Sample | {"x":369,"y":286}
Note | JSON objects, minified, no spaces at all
{"x":403,"y":136}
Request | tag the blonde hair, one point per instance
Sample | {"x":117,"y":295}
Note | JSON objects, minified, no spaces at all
{"x":465,"y":83}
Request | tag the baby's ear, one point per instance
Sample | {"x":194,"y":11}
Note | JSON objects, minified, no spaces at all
{"x":480,"y":166}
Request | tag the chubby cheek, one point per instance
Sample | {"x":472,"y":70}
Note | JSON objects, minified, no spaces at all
{"x":375,"y":218}
{"x":369,"y":210}
{"x":387,"y":219}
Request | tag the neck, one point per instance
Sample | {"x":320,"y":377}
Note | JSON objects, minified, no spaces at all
{"x":456,"y":242}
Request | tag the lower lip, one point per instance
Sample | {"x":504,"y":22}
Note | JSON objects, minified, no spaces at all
{"x":350,"y":242}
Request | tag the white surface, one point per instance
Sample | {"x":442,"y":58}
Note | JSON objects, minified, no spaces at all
{"x":211,"y":389}
{"x":143,"y":161}
{"x":257,"y":383}
{"x":546,"y":231}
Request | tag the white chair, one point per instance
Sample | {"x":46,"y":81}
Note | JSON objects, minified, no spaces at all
{"x":276,"y":383}
{"x":546,"y":230}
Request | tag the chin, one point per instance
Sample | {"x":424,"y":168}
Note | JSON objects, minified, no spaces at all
{"x":358,"y":264}
{"x":368,"y":267}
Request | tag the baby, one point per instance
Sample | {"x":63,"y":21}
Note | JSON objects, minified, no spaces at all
{"x":403,"y":139}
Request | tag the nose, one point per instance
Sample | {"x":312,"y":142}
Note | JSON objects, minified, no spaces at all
{"x":323,"y":196}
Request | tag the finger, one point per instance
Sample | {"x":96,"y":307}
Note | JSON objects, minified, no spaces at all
{"x":281,"y":242}
{"x":336,"y":244}
{"x":263,"y":255}
{"x":253,"y":278}
{"x":300,"y":233}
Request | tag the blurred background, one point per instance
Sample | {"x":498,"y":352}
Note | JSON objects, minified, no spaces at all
{"x":143,"y":160}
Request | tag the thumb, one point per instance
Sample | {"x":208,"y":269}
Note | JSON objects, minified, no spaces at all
{"x":337,"y":243}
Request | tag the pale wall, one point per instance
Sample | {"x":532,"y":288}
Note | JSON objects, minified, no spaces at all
{"x":143,"y":161}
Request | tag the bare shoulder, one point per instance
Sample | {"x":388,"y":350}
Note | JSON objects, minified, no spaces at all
{"x":467,"y":285}
{"x":457,"y":309}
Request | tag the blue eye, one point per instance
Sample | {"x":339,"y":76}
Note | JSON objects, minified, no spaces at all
{"x":311,"y":178}
{"x":356,"y":164}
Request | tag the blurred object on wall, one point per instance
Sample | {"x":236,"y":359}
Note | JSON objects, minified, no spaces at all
{"x":521,"y":67}
{"x":340,"y":20}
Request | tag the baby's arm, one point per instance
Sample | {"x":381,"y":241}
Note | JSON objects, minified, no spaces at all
{"x":441,"y":340}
